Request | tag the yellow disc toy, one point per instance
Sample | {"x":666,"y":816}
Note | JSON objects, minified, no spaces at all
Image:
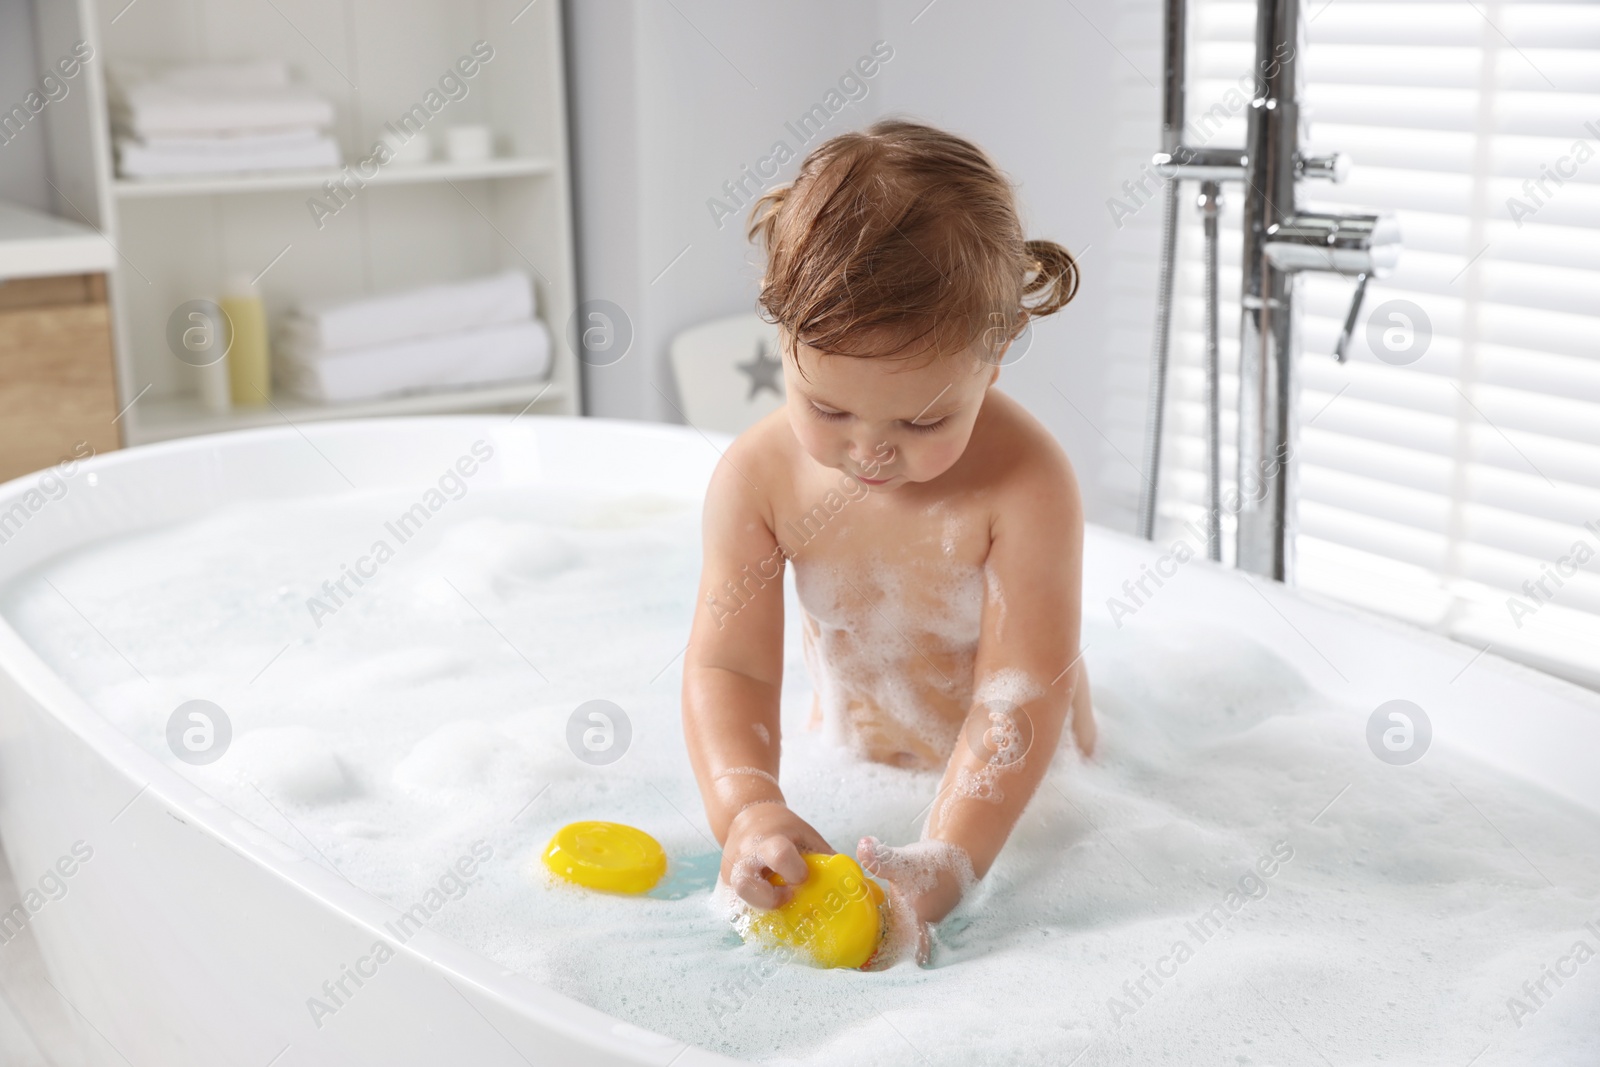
{"x":607,"y":856}
{"x":836,"y":916}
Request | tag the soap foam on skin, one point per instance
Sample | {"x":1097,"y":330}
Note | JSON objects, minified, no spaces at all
{"x":953,"y":527}
{"x":914,"y":868}
{"x":1003,"y":696}
{"x":874,"y":639}
{"x":991,"y":581}
{"x":1400,"y":929}
{"x":1009,"y":686}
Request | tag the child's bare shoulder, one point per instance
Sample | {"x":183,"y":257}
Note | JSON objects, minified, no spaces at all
{"x":757,"y":464}
{"x":1024,"y":462}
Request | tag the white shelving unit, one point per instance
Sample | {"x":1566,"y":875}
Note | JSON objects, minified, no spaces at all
{"x":33,"y":245}
{"x":182,"y":416}
{"x":179,"y":239}
{"x":312,"y":180}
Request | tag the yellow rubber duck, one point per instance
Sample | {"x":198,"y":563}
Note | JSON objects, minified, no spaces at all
{"x":835,"y":918}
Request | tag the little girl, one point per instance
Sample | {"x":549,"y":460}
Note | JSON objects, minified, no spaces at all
{"x":934,"y":525}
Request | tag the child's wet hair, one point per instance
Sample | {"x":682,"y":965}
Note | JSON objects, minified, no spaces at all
{"x":900,"y":238}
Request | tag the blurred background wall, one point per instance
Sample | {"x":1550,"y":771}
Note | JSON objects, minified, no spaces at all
{"x":25,"y":164}
{"x":1048,"y":89}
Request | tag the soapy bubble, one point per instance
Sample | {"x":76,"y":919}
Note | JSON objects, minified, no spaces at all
{"x":1399,"y":732}
{"x":199,"y":732}
{"x":599,"y":732}
{"x":1003,"y":736}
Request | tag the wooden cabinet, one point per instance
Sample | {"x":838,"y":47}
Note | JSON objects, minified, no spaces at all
{"x":58,"y":396}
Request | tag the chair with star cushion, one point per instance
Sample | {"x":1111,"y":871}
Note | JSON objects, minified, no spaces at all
{"x":729,"y":372}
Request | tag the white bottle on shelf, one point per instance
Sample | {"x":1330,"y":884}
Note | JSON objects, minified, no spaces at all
{"x":200,"y":335}
{"x":211,"y":382}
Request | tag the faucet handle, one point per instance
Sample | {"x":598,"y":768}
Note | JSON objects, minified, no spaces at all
{"x":1202,"y":164}
{"x":1338,"y":243}
{"x":1340,"y":349}
{"x":1334,"y":168}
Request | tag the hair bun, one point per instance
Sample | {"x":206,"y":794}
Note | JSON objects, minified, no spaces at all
{"x":1055,"y":273}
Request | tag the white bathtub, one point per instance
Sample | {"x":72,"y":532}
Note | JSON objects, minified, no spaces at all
{"x":191,"y":937}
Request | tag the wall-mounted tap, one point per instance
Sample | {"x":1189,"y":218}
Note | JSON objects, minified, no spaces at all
{"x":1280,"y":242}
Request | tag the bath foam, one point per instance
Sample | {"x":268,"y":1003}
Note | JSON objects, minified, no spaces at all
{"x":913,"y":868}
{"x":1005,"y":739}
{"x":291,"y":764}
{"x":1399,"y":930}
{"x":497,"y":557}
{"x":953,"y":526}
{"x":928,"y":622}
{"x":916,"y":867}
{"x":465,"y":755}
{"x":1008,"y":686}
{"x":997,"y":599}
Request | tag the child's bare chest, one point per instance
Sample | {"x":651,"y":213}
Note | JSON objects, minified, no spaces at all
{"x":893,"y":594}
{"x":873,"y":562}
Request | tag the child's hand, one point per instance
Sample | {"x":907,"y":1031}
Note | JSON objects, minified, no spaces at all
{"x":768,"y":838}
{"x":926,"y":880}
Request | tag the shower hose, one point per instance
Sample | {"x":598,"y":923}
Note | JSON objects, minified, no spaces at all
{"x":1210,"y":203}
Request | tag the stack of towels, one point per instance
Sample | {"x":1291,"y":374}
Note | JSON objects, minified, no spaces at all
{"x":478,"y":332}
{"x":217,"y":119}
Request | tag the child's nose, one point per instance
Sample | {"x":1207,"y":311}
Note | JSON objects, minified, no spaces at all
{"x":867,"y":457}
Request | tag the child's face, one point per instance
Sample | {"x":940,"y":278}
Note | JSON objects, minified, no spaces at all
{"x":887,"y":421}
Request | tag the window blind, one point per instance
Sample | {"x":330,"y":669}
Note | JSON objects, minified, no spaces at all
{"x":1450,"y":471}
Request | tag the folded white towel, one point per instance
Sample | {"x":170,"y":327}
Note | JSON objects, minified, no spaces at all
{"x":155,"y":108}
{"x":139,"y":160}
{"x":239,"y":141}
{"x":514,"y":352}
{"x":425,"y":312}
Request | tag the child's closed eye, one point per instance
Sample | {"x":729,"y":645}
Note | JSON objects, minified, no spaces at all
{"x":830,"y":415}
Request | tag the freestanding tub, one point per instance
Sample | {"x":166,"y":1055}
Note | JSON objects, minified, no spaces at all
{"x":190,"y":931}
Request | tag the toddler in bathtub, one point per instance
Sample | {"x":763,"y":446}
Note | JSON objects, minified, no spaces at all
{"x":934,"y":525}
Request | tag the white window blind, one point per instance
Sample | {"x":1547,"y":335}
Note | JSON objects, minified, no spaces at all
{"x":1459,"y":490}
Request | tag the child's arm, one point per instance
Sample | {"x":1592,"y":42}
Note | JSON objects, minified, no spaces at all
{"x":1023,"y":693}
{"x":732,"y":676}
